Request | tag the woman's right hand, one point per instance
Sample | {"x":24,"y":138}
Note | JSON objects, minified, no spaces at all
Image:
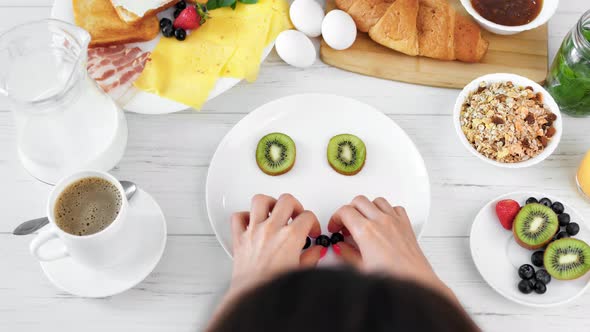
{"x":385,"y":240}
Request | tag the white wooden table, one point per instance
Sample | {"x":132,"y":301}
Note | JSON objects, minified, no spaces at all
{"x":168,"y":156}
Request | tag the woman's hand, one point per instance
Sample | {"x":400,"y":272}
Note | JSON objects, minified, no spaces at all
{"x":265,"y":244}
{"x":385,"y":239}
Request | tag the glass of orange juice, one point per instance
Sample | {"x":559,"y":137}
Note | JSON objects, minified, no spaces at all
{"x":583,"y":176}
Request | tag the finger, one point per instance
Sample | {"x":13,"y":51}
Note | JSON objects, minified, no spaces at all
{"x":261,"y":207}
{"x":403,"y":217}
{"x":239,"y":222}
{"x":345,"y":232}
{"x":347,"y":216}
{"x":348,"y":253}
{"x":366,"y":207}
{"x":306,"y":224}
{"x":312,"y":256}
{"x":286,"y":208}
{"x":383,"y":205}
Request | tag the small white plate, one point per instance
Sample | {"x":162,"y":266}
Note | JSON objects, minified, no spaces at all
{"x":497,"y":256}
{"x":143,"y":102}
{"x":146,"y":215}
{"x":394,"y":168}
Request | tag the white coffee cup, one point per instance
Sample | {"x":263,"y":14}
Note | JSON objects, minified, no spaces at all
{"x":103,"y":249}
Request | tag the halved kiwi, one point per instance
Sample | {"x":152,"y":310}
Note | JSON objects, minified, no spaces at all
{"x":275,"y":154}
{"x":346,"y":154}
{"x":567,"y":259}
{"x":534,"y":226}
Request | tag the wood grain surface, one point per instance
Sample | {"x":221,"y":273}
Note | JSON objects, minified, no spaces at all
{"x":169,"y":156}
{"x":524,"y":54}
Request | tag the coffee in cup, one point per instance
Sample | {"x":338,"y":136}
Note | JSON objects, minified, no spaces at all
{"x":87,"y":206}
{"x":87,"y":214}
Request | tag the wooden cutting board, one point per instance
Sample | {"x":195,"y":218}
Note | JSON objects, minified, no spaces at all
{"x":523,"y":54}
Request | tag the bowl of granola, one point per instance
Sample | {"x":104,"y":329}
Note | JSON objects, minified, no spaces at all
{"x":507,"y":120}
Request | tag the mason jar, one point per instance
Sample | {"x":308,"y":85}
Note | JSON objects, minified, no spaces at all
{"x":568,"y":80}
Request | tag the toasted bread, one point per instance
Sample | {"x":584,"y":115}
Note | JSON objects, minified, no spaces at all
{"x":132,"y":11}
{"x":397,"y":28}
{"x":100,"y":19}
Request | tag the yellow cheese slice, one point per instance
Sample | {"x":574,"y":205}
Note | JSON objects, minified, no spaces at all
{"x":280,"y":20}
{"x":229,"y":44}
{"x":184,"y":71}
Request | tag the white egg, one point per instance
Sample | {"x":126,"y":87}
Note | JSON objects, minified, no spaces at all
{"x":338,"y":30}
{"x":307,"y":17}
{"x":295,"y":48}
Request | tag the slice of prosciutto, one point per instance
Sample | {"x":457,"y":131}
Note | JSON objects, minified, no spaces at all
{"x":115,"y":68}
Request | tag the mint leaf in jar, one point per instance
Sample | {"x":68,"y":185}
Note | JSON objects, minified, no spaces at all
{"x":569,"y":78}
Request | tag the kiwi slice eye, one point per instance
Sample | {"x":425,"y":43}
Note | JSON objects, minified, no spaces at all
{"x":567,"y":259}
{"x":275,"y":154}
{"x":534,"y":226}
{"x":346,"y":154}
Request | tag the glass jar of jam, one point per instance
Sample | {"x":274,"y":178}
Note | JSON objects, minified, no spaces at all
{"x":568,"y":80}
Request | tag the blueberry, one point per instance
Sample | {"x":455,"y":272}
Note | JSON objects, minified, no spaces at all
{"x":526,"y":271}
{"x":307,"y":243}
{"x":561,"y":235}
{"x":537,"y":258}
{"x":532,"y":282}
{"x":181,"y":5}
{"x":336,"y":237}
{"x":177,"y":12}
{"x":525,"y":287}
{"x":165,"y":22}
{"x":564,"y":219}
{"x":543,"y":276}
{"x":557,"y":207}
{"x":545,"y":201}
{"x":572,"y":229}
{"x":540,"y":287}
{"x":180,"y":34}
{"x":323,"y":240}
{"x":531,"y":200}
{"x":168,"y":31}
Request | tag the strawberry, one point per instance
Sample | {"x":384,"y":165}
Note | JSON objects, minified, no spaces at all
{"x":191,"y":18}
{"x":188,"y":19}
{"x":507,"y":211}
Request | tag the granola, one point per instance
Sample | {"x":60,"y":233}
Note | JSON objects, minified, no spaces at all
{"x":507,"y":123}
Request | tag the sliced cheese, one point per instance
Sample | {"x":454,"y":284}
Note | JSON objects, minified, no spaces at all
{"x":229,"y":44}
{"x":184,"y":72}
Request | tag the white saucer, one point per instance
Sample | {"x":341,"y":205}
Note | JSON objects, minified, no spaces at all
{"x":70,"y":276}
{"x":497,"y":256}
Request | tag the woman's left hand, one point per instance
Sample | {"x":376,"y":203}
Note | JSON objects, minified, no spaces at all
{"x":265,"y":244}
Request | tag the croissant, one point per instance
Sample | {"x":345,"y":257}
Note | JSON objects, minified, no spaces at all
{"x":430,"y":28}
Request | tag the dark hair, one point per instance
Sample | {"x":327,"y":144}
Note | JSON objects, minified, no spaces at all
{"x":341,"y":300}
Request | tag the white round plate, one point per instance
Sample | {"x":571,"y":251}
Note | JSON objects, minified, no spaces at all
{"x":144,"y":102}
{"x":497,"y":256}
{"x":394,"y":168}
{"x":79,"y":280}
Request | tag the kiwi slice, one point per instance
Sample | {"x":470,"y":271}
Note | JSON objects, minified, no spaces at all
{"x":534,"y":226}
{"x":275,"y":154}
{"x":567,"y":259}
{"x":346,"y":154}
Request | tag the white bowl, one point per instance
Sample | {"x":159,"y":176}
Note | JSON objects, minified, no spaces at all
{"x":519,"y":81}
{"x":549,"y":8}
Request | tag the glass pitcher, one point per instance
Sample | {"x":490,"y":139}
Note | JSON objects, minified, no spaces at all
{"x":64,"y":121}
